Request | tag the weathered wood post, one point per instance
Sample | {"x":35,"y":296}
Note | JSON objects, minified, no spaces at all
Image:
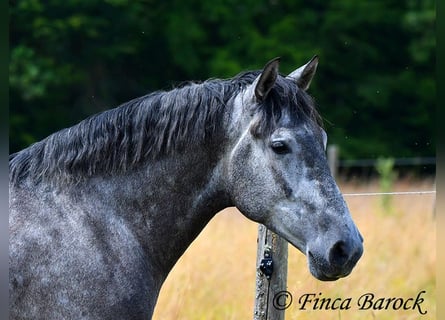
{"x":270,"y":300}
{"x":333,"y":159}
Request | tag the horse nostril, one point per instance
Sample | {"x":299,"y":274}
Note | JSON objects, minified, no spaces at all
{"x":339,"y":254}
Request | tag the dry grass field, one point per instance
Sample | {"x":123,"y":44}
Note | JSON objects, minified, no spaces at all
{"x":215,"y":278}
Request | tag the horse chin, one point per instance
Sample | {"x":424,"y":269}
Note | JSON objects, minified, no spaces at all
{"x":319,"y":275}
{"x":314,"y":268}
{"x":324,"y":273}
{"x":318,"y":266}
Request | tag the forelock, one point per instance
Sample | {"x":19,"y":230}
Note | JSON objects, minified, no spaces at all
{"x":285,"y":98}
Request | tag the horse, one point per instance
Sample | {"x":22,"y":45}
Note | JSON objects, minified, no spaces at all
{"x":100,"y":212}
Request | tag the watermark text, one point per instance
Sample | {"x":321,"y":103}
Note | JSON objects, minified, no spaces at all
{"x":367,"y":301}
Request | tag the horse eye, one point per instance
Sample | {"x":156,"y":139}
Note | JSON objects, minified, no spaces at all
{"x":280,"y":147}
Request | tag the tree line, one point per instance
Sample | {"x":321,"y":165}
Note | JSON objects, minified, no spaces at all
{"x":375,"y":85}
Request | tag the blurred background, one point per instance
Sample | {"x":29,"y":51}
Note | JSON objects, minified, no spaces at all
{"x":375,"y":88}
{"x":375,"y":85}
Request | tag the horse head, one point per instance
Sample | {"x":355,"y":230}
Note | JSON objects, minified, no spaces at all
{"x":278,"y":175}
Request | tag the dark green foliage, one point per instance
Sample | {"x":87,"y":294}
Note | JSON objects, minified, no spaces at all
{"x":375,"y":84}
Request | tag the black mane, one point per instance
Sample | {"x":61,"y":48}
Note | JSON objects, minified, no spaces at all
{"x":151,"y":126}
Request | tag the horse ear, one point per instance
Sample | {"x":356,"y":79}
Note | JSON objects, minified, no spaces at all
{"x":303,"y":75}
{"x":267,"y":79}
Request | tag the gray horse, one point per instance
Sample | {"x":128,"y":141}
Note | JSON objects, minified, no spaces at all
{"x":100,"y":212}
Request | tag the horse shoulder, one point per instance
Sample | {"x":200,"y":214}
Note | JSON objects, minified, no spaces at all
{"x":68,"y":260}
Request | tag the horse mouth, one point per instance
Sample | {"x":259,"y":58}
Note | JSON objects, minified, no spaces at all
{"x":324,"y":272}
{"x":337,"y":263}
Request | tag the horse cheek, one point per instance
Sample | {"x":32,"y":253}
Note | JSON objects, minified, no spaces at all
{"x":250,"y":188}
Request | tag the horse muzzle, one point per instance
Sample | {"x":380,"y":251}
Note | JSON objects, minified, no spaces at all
{"x":335,"y":261}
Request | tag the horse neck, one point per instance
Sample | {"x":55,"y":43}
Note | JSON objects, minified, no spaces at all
{"x":165,"y":203}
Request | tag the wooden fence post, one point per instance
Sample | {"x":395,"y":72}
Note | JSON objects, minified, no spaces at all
{"x":333,"y":159}
{"x":266,"y":290}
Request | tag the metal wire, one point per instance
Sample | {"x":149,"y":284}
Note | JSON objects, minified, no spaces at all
{"x":401,"y":193}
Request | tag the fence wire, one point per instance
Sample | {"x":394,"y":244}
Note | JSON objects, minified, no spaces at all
{"x":400,"y":193}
